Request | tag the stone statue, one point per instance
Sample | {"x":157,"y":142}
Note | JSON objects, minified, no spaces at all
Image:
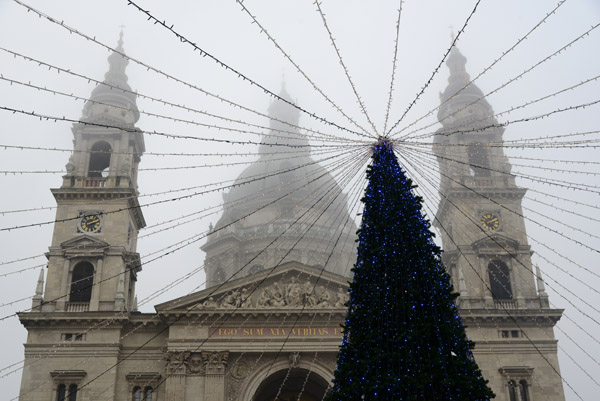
{"x":228,"y":301}
{"x":294,"y":359}
{"x":310,"y":300}
{"x":323,"y":298}
{"x":264,"y":299}
{"x":341,"y":298}
{"x":209,"y":303}
{"x":293,"y":293}
{"x":237,"y":298}
{"x":70,"y":165}
{"x":245,"y":298}
{"x":277,"y":298}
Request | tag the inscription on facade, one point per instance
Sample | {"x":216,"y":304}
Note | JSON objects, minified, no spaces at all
{"x":275,"y":332}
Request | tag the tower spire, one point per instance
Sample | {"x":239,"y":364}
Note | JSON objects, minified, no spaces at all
{"x":461,"y":92}
{"x":117,"y":64}
{"x":457,"y":64}
{"x":38,"y":298}
{"x":114,"y":90}
{"x":283,"y":111}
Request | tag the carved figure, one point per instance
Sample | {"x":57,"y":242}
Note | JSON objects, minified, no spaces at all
{"x":240,"y":370}
{"x":324,"y":298}
{"x":237,"y":298}
{"x":293,"y":293}
{"x":195,"y":364}
{"x":209,"y":303}
{"x":228,"y":301}
{"x":245,"y":299}
{"x":310,"y":300}
{"x":264,"y":299}
{"x":294,"y":359}
{"x":341,"y":298}
{"x":277,"y":298}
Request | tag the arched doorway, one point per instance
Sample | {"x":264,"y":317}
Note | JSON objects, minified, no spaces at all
{"x":300,"y":385}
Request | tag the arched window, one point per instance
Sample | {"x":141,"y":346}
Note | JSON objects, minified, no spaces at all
{"x":523,"y":389}
{"x":512,"y":390}
{"x":99,"y":160}
{"x":478,"y":160}
{"x":255,"y":269}
{"x":148,"y":394}
{"x":137,"y":394}
{"x":500,"y":280}
{"x":61,"y":392}
{"x":72,"y":392}
{"x":82,"y":280}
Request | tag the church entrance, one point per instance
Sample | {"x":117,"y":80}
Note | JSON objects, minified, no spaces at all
{"x":301,"y":385}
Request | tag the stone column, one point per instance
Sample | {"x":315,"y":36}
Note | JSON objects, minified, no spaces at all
{"x":94,"y":300}
{"x":120,"y":295}
{"x":214,"y":384}
{"x":61,"y":303}
{"x":462,"y":284}
{"x":518,"y":274}
{"x":176,"y":367}
{"x":487,"y":294}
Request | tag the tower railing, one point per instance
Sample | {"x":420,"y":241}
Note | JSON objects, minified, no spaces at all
{"x":95,"y":182}
{"x":480,"y":182}
{"x":78,"y":306}
{"x":506,"y":304}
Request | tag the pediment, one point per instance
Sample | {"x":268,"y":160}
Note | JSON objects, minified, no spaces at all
{"x":291,"y":285}
{"x":495,"y":243}
{"x":84,"y":243}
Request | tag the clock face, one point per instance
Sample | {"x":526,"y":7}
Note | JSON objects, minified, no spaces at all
{"x":90,"y":223}
{"x":490,"y":221}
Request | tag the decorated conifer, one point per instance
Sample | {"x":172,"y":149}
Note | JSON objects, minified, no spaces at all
{"x":403,"y":338}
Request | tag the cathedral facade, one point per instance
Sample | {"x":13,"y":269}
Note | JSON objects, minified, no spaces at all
{"x":267,"y":327}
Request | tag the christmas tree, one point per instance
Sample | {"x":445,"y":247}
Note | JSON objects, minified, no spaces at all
{"x":403,"y":338}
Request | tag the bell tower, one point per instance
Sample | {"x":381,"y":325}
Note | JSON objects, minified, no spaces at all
{"x":481,"y":204}
{"x":480,"y":218}
{"x":92,"y":261}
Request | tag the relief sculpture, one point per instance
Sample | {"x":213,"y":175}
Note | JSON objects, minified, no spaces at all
{"x":294,"y":293}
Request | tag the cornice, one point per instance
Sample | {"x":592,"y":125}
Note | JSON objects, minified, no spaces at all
{"x":92,"y":192}
{"x":495,"y":317}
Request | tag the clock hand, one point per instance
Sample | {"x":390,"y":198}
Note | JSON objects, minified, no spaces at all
{"x":91,"y":223}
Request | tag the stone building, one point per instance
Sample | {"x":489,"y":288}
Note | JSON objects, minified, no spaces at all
{"x":267,"y":325}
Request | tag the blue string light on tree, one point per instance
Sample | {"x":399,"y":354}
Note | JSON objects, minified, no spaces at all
{"x":403,"y":338}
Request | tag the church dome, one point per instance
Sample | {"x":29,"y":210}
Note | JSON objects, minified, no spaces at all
{"x":254,"y":216}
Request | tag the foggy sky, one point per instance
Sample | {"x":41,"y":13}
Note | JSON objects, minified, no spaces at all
{"x":365,"y":33}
